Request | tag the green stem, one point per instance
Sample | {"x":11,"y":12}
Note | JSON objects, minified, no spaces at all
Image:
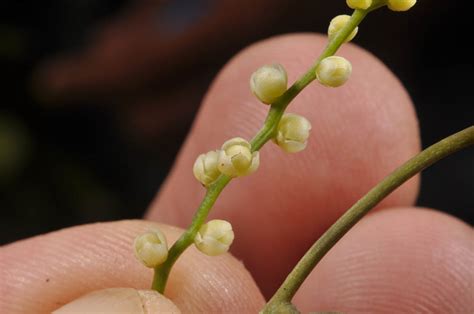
{"x":426,"y":158}
{"x":264,"y":135}
{"x":187,"y":238}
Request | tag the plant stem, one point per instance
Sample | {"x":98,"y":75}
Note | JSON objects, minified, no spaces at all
{"x":187,"y":238}
{"x":421,"y":161}
{"x":264,"y":135}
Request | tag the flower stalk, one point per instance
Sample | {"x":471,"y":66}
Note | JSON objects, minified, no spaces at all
{"x":266,"y":133}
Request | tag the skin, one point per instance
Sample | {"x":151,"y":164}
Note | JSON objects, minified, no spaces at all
{"x":398,"y":259}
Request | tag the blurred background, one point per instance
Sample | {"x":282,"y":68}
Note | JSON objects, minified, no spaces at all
{"x":83,"y":84}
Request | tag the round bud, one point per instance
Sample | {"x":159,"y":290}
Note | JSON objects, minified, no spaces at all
{"x":268,"y":83}
{"x":333,"y":71}
{"x":151,"y":248}
{"x":205,"y":168}
{"x":236,"y":159}
{"x":359,"y":4}
{"x":292,"y":133}
{"x":400,"y":5}
{"x":214,"y":237}
{"x":337,"y":24}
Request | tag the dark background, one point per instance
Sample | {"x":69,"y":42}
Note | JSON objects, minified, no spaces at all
{"x":90,"y":156}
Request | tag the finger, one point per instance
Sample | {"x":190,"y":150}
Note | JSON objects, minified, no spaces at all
{"x":119,"y":300}
{"x":43,"y":273}
{"x":361,"y":132}
{"x":396,"y":261}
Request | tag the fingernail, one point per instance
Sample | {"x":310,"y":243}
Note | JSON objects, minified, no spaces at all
{"x":120,"y":300}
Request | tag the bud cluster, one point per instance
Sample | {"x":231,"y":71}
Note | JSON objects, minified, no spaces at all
{"x":151,"y":248}
{"x":205,"y":167}
{"x":400,"y":5}
{"x":359,"y":4}
{"x":333,"y":71}
{"x":292,"y":133}
{"x":214,"y":238}
{"x":394,"y":5}
{"x":337,"y":24}
{"x":234,"y":159}
{"x":269,"y":82}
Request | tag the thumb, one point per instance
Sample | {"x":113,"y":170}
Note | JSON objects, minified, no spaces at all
{"x":120,"y":300}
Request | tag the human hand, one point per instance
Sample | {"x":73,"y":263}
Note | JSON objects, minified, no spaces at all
{"x":398,"y":260}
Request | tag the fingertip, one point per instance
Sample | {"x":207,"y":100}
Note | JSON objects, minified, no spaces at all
{"x":402,"y":260}
{"x":119,"y":300}
{"x":154,"y":302}
{"x":42,"y":273}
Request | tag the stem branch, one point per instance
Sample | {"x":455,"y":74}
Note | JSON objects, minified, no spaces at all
{"x":421,"y":161}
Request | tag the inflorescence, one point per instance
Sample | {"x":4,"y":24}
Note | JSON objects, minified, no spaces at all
{"x":238,"y":158}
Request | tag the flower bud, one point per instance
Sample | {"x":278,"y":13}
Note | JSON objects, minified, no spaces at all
{"x":337,"y":24}
{"x":236,"y":159}
{"x":151,"y":248}
{"x":205,"y":168}
{"x":268,"y":83}
{"x":359,"y":4}
{"x":400,"y":5}
{"x":214,"y":237}
{"x":333,"y":71}
{"x":292,"y":133}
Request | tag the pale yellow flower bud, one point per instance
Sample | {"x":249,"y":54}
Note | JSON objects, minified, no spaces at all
{"x":292,"y":133}
{"x":333,"y":71}
{"x":400,"y":5}
{"x":236,"y":159}
{"x":359,"y":4}
{"x":205,"y":168}
{"x":337,"y":24}
{"x":268,"y":83}
{"x":214,"y":237}
{"x":151,"y":248}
